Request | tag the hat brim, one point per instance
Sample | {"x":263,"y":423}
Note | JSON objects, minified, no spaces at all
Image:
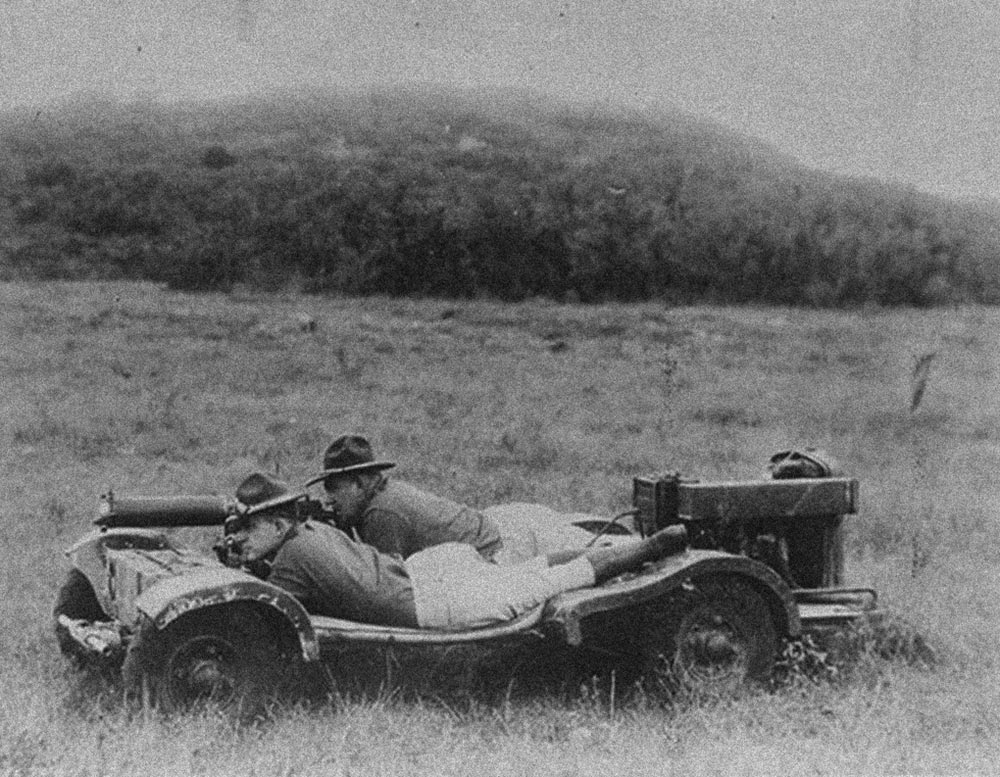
{"x":277,"y":501}
{"x":348,"y":470}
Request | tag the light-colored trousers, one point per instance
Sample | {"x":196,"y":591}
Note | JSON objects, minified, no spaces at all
{"x":530,"y":530}
{"x":454,"y":588}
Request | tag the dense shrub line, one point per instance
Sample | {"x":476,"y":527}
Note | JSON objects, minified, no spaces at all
{"x":453,"y":197}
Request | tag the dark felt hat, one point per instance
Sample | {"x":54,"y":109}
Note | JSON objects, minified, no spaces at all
{"x":260,"y":492}
{"x":348,"y":454}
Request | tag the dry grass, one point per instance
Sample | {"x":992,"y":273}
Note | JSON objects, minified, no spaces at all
{"x":159,"y":393}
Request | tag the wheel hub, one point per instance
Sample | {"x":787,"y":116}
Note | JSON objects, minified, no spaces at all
{"x":711,"y":648}
{"x":208,"y":678}
{"x":203,"y":669}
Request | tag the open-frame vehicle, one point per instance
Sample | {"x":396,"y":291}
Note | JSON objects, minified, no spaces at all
{"x":763,"y":565}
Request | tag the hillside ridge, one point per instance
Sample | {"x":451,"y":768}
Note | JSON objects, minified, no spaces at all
{"x":464,"y":194}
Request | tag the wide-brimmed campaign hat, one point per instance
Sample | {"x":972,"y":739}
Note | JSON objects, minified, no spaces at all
{"x":260,"y":492}
{"x":347,"y":454}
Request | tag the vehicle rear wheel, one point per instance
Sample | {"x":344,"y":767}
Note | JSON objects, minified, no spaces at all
{"x":76,"y":600}
{"x":715,"y":635}
{"x":234,"y":657}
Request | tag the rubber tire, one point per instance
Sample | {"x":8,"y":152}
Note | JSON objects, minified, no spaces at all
{"x":76,"y":599}
{"x":234,"y":657}
{"x":715,"y":636}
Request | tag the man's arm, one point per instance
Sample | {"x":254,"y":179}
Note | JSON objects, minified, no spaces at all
{"x":389,"y":532}
{"x":333,"y":575}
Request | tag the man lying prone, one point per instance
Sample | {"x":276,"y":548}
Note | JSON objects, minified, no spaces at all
{"x":447,"y":586}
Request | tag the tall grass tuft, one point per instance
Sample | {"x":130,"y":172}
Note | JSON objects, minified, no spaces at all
{"x":918,"y":381}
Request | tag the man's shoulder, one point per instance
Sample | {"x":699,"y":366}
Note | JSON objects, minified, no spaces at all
{"x":400,"y":488}
{"x":397,"y":496}
{"x":315,"y":534}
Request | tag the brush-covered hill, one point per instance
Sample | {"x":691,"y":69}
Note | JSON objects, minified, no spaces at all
{"x":457,"y":194}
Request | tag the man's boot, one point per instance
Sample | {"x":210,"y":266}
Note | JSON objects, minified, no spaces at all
{"x":611,"y":562}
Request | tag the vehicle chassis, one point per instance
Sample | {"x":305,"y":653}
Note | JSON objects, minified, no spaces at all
{"x":764,"y":565}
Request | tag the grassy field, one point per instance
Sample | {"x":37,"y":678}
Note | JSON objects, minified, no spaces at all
{"x":153,"y":392}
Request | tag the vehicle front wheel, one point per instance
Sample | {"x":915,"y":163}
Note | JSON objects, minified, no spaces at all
{"x":234,"y":657}
{"x":714,"y":635}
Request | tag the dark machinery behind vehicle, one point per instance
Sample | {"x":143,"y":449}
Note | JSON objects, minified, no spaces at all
{"x":764,"y":564}
{"x":792,"y":522}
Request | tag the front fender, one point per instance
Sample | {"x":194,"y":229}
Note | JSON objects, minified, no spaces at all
{"x":566,"y":612}
{"x":173,"y":597}
{"x":89,"y":554}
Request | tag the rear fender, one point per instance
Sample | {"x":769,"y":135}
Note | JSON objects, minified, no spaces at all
{"x":566,"y":612}
{"x":173,"y":597}
{"x":90,"y":556}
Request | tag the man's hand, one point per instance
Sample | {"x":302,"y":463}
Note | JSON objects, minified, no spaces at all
{"x":316,"y":510}
{"x":228,"y":552}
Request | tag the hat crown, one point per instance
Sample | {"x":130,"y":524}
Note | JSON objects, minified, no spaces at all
{"x":258,"y":488}
{"x":348,"y":454}
{"x":347,"y":451}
